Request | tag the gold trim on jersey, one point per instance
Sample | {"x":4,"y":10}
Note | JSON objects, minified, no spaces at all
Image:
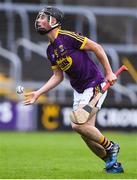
{"x":84,"y":43}
{"x":57,"y":32}
{"x":56,"y":35}
{"x":54,"y":67}
{"x":72,"y":34}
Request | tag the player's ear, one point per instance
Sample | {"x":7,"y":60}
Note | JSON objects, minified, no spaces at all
{"x":53,"y":21}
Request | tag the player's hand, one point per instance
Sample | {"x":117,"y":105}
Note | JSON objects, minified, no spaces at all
{"x":31,"y":98}
{"x":111,"y":78}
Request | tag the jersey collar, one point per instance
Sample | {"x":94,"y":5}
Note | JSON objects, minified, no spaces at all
{"x":56,"y":35}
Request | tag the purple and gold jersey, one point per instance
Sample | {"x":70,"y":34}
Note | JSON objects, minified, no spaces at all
{"x":66,"y":52}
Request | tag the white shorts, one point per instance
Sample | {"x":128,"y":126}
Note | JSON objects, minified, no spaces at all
{"x":88,"y":94}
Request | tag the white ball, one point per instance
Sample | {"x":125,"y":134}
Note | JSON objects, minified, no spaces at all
{"x":19,"y":89}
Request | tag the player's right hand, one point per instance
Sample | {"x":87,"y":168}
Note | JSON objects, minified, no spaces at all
{"x":111,"y":78}
{"x":30,"y":98}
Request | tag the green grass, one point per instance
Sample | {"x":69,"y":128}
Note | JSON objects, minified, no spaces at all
{"x":60,"y":156}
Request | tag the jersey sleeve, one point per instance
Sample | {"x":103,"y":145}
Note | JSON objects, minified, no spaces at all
{"x":76,"y":40}
{"x":79,"y":41}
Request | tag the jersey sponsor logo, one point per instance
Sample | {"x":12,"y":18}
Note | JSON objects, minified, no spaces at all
{"x":65,"y":63}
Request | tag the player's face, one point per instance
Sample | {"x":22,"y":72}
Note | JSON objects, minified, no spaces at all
{"x":42,"y":21}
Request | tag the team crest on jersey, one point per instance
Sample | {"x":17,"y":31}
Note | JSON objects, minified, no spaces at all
{"x":61,"y":48}
{"x":65,"y":63}
{"x":56,"y":53}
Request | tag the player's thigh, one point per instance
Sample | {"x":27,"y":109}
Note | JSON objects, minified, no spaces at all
{"x":92,"y":120}
{"x":84,"y":98}
{"x":81,"y":127}
{"x":81,"y":99}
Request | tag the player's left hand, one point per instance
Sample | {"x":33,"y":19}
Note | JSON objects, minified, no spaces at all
{"x":111,"y":78}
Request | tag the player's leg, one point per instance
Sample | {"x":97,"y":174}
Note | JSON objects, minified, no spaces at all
{"x":93,"y":146}
{"x":88,"y":133}
{"x":88,"y":130}
{"x":112,"y":166}
{"x":96,"y":148}
{"x":92,"y":135}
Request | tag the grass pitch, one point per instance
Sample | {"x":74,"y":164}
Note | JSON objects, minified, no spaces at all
{"x":60,"y":156}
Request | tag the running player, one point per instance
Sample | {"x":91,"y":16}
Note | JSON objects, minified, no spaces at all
{"x":67,"y":53}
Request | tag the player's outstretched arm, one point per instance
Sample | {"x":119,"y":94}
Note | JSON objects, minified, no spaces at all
{"x":102,"y":57}
{"x":52,"y":82}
